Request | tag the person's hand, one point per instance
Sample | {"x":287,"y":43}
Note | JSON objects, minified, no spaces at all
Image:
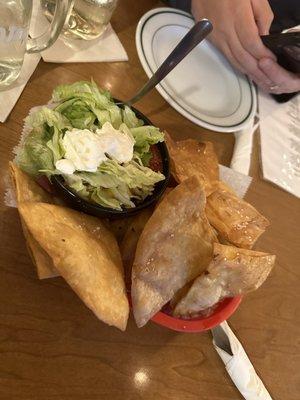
{"x":283,"y":81}
{"x":238,"y":25}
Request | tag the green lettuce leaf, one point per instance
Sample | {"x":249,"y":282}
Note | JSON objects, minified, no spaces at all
{"x":86,"y":103}
{"x":81,"y":89}
{"x":78,"y":112}
{"x":106,"y":198}
{"x":42,"y":147}
{"x":144,"y":137}
{"x":115,"y":185}
{"x":97,"y":179}
{"x":35,"y":155}
{"x":46,"y":115}
{"x":130,"y":119}
{"x":56,"y":146}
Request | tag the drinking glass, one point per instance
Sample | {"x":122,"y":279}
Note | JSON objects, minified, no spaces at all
{"x":15,"y":18}
{"x":87,"y":19}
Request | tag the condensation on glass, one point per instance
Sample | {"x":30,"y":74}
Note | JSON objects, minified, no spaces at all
{"x":87,"y":20}
{"x":14,"y":42}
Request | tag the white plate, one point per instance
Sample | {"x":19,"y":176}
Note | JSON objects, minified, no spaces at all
{"x":204,"y":87}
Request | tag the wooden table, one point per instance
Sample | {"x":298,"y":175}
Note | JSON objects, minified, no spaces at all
{"x":53,"y":347}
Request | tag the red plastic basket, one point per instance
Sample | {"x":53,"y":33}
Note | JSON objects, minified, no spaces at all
{"x":200,"y":324}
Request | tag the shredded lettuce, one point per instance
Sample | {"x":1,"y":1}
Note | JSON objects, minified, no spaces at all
{"x":130,"y":119}
{"x":115,"y":185}
{"x":42,"y":145}
{"x":83,"y":105}
{"x":78,"y":112}
{"x":81,"y":89}
{"x":48,"y":116}
{"x":35,"y":155}
{"x":144,"y":137}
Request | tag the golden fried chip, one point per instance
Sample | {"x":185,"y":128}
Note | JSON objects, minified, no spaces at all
{"x":28,"y":190}
{"x":86,"y":254}
{"x":235,"y":220}
{"x":190,"y":157}
{"x":180,"y":294}
{"x":130,"y":240}
{"x":43,"y":262}
{"x":175,"y":247}
{"x":232,"y":272}
{"x":118,"y":226}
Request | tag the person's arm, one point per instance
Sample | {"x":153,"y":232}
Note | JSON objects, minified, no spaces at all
{"x":238,"y":25}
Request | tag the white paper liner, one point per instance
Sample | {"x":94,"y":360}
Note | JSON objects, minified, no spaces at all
{"x":238,"y":182}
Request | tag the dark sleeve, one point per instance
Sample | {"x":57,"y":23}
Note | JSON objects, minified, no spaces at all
{"x":184,"y":5}
{"x":286,"y":14}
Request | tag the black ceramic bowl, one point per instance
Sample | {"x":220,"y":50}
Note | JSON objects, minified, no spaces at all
{"x":76,"y":202}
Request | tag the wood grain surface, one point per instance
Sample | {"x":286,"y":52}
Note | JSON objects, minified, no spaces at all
{"x":53,"y":347}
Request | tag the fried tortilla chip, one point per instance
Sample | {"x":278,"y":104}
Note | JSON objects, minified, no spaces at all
{"x":118,"y":226}
{"x":190,"y":157}
{"x":235,"y":220}
{"x":175,"y":247}
{"x":86,"y":254}
{"x":232,"y":272}
{"x":28,"y":190}
{"x":43,"y":262}
{"x":128,"y":244}
{"x":130,"y":240}
{"x":180,"y":294}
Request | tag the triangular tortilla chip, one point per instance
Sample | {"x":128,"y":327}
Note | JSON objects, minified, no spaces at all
{"x":180,"y":294}
{"x":28,"y":190}
{"x":232,"y":272}
{"x":192,"y":158}
{"x":174,"y":248}
{"x":130,"y":240}
{"x":86,"y":254}
{"x":235,"y":220}
{"x":44,"y":264}
{"x":118,"y":226}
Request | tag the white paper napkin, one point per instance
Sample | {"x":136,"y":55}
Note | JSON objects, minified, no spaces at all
{"x":241,"y":158}
{"x":280,"y":142}
{"x":241,"y":370}
{"x":106,"y":48}
{"x":237,"y":181}
{"x":9,"y":97}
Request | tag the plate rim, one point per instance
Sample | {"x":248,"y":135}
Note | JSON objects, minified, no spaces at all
{"x":164,"y":93}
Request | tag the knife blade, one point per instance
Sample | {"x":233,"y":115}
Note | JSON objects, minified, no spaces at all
{"x":221,"y":339}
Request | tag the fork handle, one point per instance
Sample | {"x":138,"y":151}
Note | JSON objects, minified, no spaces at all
{"x":194,"y":36}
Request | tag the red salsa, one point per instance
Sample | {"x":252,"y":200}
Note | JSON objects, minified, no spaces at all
{"x":155,"y":162}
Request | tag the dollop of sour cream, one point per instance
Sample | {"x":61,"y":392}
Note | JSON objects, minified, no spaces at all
{"x":117,"y":144}
{"x":65,"y":166}
{"x":86,"y":150}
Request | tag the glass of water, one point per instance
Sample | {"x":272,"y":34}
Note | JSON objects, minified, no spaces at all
{"x":87,"y":20}
{"x":14,"y":42}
